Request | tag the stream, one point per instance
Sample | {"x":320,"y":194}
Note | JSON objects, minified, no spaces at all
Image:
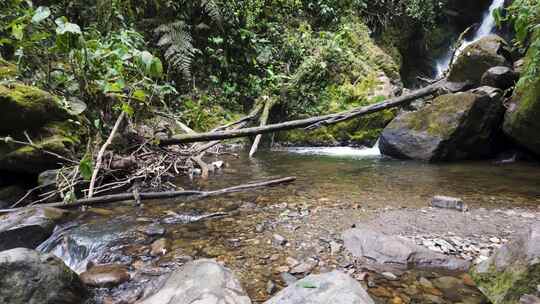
{"x":336,"y":188}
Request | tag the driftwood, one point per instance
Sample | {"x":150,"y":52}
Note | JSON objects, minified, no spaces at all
{"x":99,"y":158}
{"x":192,"y":195}
{"x":315,"y":122}
{"x":264,"y":119}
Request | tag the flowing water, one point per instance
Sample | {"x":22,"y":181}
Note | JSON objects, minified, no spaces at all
{"x":335,"y":187}
{"x":486,"y":27}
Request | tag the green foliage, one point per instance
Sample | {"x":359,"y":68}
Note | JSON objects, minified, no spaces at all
{"x":525,"y":17}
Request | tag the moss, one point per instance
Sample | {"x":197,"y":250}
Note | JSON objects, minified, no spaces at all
{"x":25,"y":107}
{"x":508,"y":285}
{"x":522,"y":121}
{"x":7,"y":69}
{"x":57,"y":137}
{"x":438,"y":119}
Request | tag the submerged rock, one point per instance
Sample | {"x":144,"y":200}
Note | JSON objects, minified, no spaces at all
{"x":333,"y":287}
{"x":29,"y":277}
{"x":454,"y":127}
{"x":201,"y":281}
{"x":387,"y":251}
{"x":105,"y":276}
{"x":513,"y":270}
{"x":477,"y":58}
{"x":28,"y":228}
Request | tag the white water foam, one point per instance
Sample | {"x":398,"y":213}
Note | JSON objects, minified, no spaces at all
{"x":339,"y":151}
{"x":486,"y":28}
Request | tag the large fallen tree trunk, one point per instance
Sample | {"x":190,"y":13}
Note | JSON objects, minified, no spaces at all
{"x":433,"y":89}
{"x":192,"y":195}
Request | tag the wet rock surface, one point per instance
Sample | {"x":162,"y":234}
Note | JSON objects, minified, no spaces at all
{"x":477,"y":58}
{"x":455,"y":126}
{"x":501,"y":77}
{"x":105,"y":276}
{"x":393,"y":251}
{"x":29,"y":277}
{"x":28,"y":228}
{"x":333,"y":287}
{"x":514,"y":269}
{"x":201,"y":281}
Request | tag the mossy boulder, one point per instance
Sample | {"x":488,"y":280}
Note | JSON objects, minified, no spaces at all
{"x":513,"y":271}
{"x":25,"y":107}
{"x":454,"y":127}
{"x":478,"y":57}
{"x":522,"y":121}
{"x":27,"y":110}
{"x":7,"y":69}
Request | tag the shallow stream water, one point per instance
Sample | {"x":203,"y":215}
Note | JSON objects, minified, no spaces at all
{"x":334,"y":188}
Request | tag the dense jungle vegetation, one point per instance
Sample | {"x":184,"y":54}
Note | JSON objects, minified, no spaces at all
{"x":207,"y":61}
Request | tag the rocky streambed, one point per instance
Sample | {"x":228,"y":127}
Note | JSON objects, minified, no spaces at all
{"x":274,"y":238}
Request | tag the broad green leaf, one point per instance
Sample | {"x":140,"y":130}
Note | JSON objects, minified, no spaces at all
{"x":146,"y":58}
{"x":85,"y":167}
{"x":17,"y":30}
{"x":126,"y":108}
{"x":156,"y":68}
{"x":41,"y":14}
{"x":139,"y":95}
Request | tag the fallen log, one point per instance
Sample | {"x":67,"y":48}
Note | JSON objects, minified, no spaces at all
{"x":264,"y":119}
{"x":314,"y":122}
{"x":190,"y":195}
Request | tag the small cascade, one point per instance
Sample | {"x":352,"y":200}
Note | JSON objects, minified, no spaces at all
{"x":339,"y":151}
{"x":486,"y":28}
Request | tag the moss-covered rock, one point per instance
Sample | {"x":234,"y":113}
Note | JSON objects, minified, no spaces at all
{"x":455,"y":126}
{"x":25,"y":107}
{"x":56,"y":137}
{"x":522,"y":121}
{"x":478,"y":57}
{"x":513,"y":270}
{"x":7,"y":69}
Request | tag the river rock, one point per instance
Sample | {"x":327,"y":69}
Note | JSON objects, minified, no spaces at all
{"x":521,"y":122}
{"x":105,"y":276}
{"x":454,"y":127}
{"x":200,"y":282}
{"x":29,"y":277}
{"x":447,"y":202}
{"x":388,"y":251}
{"x":334,"y":287}
{"x":513,"y":270}
{"x":501,"y":77}
{"x":28,"y":228}
{"x":40,"y":114}
{"x":478,"y":57}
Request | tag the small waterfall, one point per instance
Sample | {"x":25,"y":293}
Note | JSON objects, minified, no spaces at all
{"x":486,"y":28}
{"x":367,"y":152}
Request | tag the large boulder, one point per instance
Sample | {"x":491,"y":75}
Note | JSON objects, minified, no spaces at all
{"x":454,"y":127}
{"x":478,"y":57}
{"x":200,"y":282}
{"x":28,"y":228}
{"x":513,"y":271}
{"x":334,"y":287}
{"x":388,"y":251}
{"x":500,"y":77}
{"x":29,"y":277}
{"x":521,"y":122}
{"x":26,"y":109}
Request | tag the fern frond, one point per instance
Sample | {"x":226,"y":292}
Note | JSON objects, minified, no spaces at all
{"x":213,"y":10}
{"x":177,"y":44}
